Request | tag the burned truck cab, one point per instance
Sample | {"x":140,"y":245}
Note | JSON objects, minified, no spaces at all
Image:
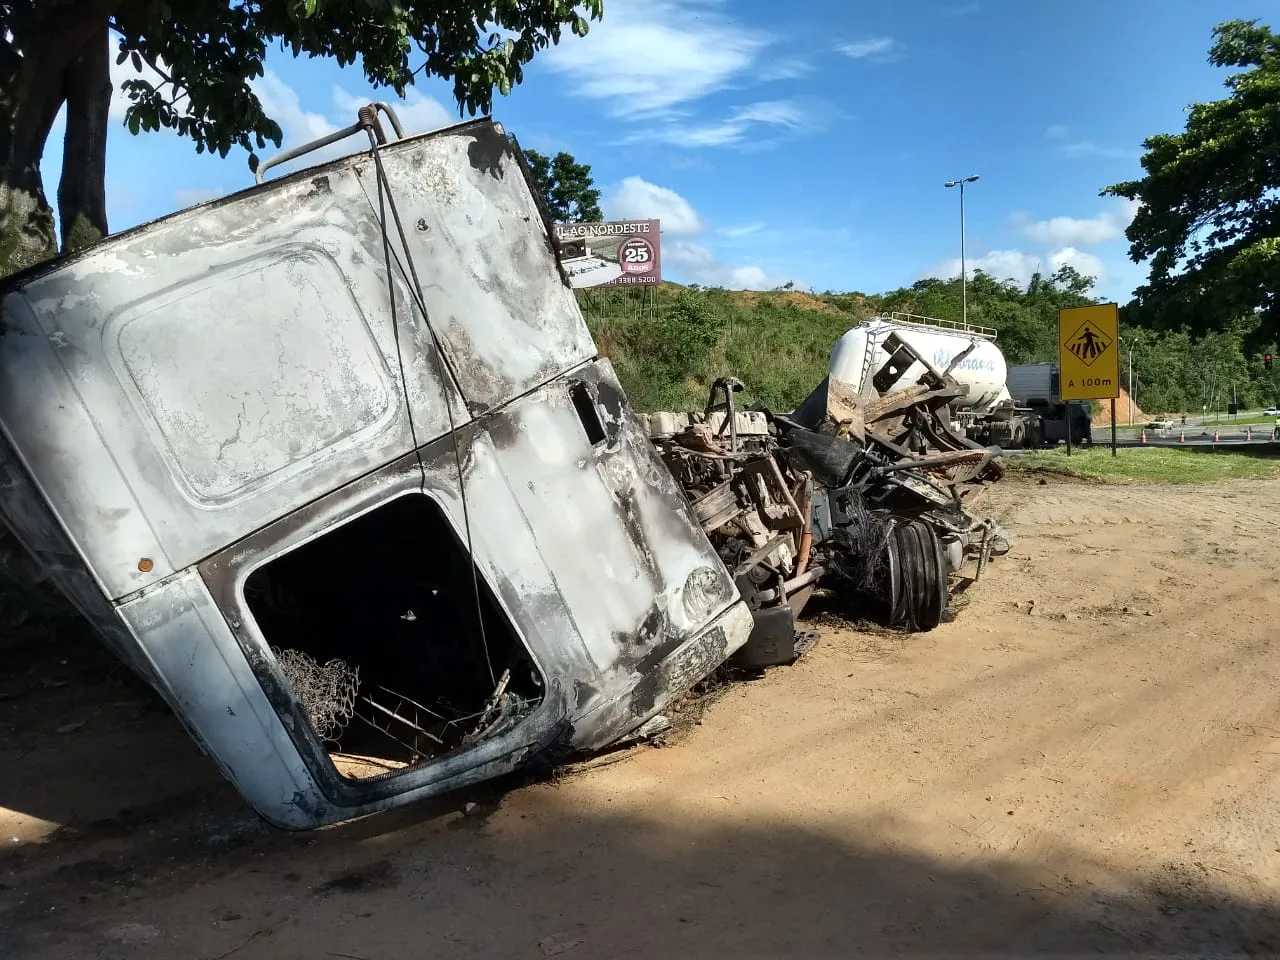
{"x":335,"y":465}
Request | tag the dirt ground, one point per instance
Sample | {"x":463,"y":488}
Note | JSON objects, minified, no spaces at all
{"x":1087,"y":760}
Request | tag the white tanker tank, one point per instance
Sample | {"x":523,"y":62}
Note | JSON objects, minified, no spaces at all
{"x":986,"y":414}
{"x":859,"y":354}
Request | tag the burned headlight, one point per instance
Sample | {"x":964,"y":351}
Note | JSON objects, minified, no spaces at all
{"x":703,"y":592}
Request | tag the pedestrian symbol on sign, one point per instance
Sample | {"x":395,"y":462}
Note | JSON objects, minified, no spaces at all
{"x":1088,"y":343}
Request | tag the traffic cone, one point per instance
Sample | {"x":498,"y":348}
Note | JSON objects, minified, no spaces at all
{"x":1182,"y":437}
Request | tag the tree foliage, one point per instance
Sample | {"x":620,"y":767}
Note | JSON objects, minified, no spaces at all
{"x":1209,"y":220}
{"x":566,"y":186}
{"x":1026,"y":318}
{"x":204,"y":55}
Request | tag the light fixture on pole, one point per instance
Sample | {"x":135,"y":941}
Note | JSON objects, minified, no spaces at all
{"x":964,"y":280}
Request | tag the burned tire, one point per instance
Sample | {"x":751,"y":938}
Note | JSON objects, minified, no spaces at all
{"x":915,"y":581}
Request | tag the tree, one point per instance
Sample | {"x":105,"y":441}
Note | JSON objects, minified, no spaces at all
{"x":1027,"y":320}
{"x":566,"y":186}
{"x":205,"y":54}
{"x":1209,"y":219}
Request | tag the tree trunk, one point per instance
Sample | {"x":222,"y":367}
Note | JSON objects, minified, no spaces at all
{"x":26,"y":222}
{"x":32,"y":89}
{"x":82,"y":192}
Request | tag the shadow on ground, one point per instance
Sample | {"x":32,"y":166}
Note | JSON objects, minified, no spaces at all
{"x":154,"y":857}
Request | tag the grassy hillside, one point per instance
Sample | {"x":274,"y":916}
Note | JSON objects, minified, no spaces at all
{"x":669,"y":344}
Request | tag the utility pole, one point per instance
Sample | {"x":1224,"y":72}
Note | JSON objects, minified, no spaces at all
{"x":964,"y":278}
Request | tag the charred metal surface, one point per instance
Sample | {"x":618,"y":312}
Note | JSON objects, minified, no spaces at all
{"x":488,"y":151}
{"x":131,"y":367}
{"x":189,"y":401}
{"x":864,"y":493}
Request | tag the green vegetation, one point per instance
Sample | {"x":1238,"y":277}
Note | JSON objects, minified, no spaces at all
{"x":669,"y":344}
{"x":1208,"y":216}
{"x":1209,"y":222}
{"x":1150,"y":465}
{"x":566,"y":186}
{"x":195,"y":61}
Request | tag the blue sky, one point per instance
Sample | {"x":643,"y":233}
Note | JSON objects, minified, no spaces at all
{"x":806,"y":141}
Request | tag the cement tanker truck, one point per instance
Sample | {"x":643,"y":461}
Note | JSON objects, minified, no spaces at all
{"x":989,"y":413}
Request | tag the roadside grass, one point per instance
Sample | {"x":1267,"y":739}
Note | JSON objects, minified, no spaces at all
{"x":1152,"y":465}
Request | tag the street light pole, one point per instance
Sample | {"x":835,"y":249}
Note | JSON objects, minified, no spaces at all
{"x":964,"y":278}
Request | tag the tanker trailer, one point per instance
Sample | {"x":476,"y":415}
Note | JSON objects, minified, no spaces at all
{"x":987,"y":413}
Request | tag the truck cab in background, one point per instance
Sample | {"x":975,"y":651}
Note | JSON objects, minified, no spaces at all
{"x":1034,"y":387}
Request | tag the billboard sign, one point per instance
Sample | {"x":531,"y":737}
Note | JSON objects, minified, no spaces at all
{"x":615,"y":253}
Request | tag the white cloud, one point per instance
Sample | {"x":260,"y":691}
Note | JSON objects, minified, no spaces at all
{"x":638,"y":199}
{"x":648,"y":58}
{"x":702,"y":266}
{"x":786,"y":113}
{"x":1107,"y":226}
{"x":418,"y":113}
{"x":1086,"y":263}
{"x":745,"y":230}
{"x":1015,"y":265}
{"x":280,"y":102}
{"x":738,"y":127}
{"x":1063,"y":142}
{"x":1020,"y":265}
{"x":876,"y":48}
{"x":784,"y":70}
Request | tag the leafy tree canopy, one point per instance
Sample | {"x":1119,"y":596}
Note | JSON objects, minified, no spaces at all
{"x":206,"y":53}
{"x":1209,"y":220}
{"x":566,"y":186}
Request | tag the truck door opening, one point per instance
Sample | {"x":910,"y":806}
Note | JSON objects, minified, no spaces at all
{"x":376,"y":627}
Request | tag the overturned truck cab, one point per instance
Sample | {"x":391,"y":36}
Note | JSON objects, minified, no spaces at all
{"x":335,"y":465}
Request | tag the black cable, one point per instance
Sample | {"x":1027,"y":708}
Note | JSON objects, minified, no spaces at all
{"x":386,"y":196}
{"x":395,"y":334}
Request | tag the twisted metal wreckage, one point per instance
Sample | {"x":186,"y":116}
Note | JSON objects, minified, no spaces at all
{"x":334,"y":464}
{"x":866,"y":494}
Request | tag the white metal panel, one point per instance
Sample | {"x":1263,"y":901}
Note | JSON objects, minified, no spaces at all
{"x":227,"y":426}
{"x":859,"y":354}
{"x":212,"y":371}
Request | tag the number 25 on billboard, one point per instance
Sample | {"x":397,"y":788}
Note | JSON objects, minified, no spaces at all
{"x":635,"y":251}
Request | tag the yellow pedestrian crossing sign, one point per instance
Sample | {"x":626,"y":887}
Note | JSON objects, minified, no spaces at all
{"x":1089,"y":352}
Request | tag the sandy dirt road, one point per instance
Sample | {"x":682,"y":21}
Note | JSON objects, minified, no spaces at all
{"x":1087,"y":760}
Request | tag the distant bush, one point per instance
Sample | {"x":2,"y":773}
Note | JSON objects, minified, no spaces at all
{"x":670,"y":343}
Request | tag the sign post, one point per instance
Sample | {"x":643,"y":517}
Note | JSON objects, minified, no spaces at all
{"x":1089,"y":358}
